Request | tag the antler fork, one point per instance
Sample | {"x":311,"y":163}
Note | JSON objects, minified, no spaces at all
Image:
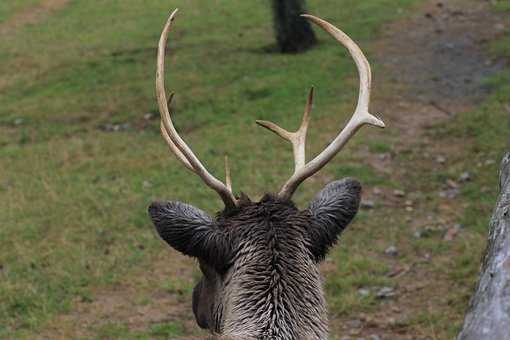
{"x":360,"y":117}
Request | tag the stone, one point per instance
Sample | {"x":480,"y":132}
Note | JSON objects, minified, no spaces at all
{"x":399,"y":193}
{"x":451,"y":234}
{"x":386,"y":292}
{"x":391,"y":251}
{"x":367,"y":204}
{"x":450,"y":193}
{"x":452,"y":184}
{"x":364,"y":292}
{"x":465,"y":176}
{"x":440,"y":159}
{"x":356,"y":323}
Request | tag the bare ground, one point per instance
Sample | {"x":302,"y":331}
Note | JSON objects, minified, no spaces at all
{"x":434,"y":67}
{"x":32,"y":15}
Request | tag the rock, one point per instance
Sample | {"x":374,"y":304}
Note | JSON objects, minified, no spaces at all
{"x":391,"y":251}
{"x":18,"y":121}
{"x":385,"y":293}
{"x":399,"y":193}
{"x":367,"y":204}
{"x":409,"y":209}
{"x":450,"y":234}
{"x":465,"y":176}
{"x":425,"y":232}
{"x":452,"y":184}
{"x":384,"y":156}
{"x":440,"y":159}
{"x":490,"y":161}
{"x":453,"y":232}
{"x":355,"y":323}
{"x":148,"y":116}
{"x":109,"y":127}
{"x":364,"y":292}
{"x":450,"y":193}
{"x":146,"y":184}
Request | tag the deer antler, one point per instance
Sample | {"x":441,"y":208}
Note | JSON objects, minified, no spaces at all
{"x":360,"y":117}
{"x":176,"y":144}
{"x":298,"y":138}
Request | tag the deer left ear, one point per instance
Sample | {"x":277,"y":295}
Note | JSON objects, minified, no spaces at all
{"x":332,"y":210}
{"x":191,"y":231}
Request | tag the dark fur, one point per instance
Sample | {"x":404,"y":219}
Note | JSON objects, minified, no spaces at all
{"x":261,"y":278}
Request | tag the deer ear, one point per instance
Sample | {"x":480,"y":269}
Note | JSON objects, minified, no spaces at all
{"x":332,"y":210}
{"x":191,"y":231}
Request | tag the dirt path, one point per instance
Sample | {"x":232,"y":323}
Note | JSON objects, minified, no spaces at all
{"x":434,"y":67}
{"x":32,"y":15}
{"x":438,"y":60}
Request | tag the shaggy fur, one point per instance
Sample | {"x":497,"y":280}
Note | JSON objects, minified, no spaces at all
{"x":260,"y":261}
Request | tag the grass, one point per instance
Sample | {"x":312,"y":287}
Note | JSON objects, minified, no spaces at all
{"x":74,"y":196}
{"x":9,"y":8}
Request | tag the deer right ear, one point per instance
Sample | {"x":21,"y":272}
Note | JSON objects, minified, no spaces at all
{"x":332,"y":210}
{"x":191,"y":231}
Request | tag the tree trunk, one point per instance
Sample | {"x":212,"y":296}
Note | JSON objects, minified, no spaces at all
{"x":489,"y":314}
{"x":293,"y":32}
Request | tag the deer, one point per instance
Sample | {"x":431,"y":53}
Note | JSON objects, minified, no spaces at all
{"x":260,"y":259}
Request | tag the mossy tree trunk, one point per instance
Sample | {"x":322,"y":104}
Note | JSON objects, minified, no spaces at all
{"x":293,"y":32}
{"x":489,"y":314}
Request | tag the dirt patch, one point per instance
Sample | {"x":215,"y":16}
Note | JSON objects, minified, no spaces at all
{"x":440,"y":53}
{"x":158,"y":295}
{"x":435,"y":63}
{"x":32,"y":15}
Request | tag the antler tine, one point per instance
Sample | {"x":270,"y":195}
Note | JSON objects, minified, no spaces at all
{"x":228,"y":179}
{"x":297,"y":138}
{"x":170,"y":134}
{"x":360,"y":117}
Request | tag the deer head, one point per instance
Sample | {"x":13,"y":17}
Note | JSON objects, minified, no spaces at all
{"x":260,"y":260}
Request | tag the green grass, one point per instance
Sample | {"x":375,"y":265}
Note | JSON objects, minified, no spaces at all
{"x":169,"y":330}
{"x":74,"y":197}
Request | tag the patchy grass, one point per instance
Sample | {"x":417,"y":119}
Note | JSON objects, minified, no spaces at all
{"x":11,"y":7}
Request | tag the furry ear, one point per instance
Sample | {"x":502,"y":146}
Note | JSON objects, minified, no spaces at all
{"x":332,"y":210}
{"x":191,"y":231}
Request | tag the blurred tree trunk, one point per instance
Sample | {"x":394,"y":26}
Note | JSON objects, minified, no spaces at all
{"x":489,"y":314}
{"x":293,"y":32}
